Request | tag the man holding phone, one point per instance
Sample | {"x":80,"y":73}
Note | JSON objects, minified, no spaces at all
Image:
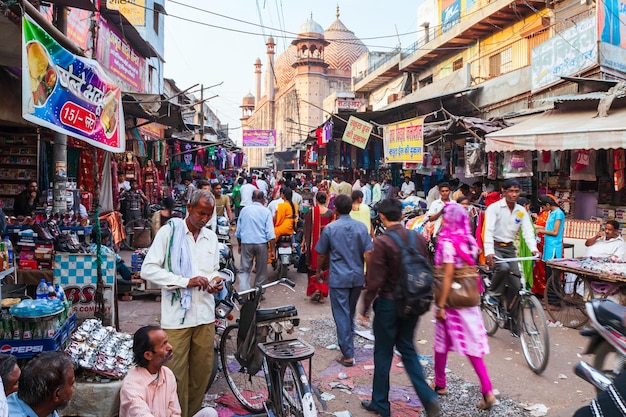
{"x":184,"y":261}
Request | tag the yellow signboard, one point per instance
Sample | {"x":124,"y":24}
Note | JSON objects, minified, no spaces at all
{"x":133,"y":10}
{"x":404,"y":141}
{"x":357,"y":132}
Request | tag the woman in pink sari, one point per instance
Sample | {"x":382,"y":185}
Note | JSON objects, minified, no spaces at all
{"x":314,"y":222}
{"x":460,"y":330}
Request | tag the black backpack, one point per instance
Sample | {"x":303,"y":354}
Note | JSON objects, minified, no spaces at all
{"x":413,"y":292}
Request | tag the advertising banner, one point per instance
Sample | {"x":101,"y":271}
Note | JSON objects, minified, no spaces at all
{"x":116,"y":55}
{"x":259,"y":138}
{"x":404,"y":141}
{"x":357,"y":132}
{"x":133,"y":10}
{"x":450,"y":14}
{"x":69,"y":94}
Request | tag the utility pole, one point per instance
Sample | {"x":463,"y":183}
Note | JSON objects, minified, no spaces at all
{"x":59,"y":150}
{"x":201,"y":112}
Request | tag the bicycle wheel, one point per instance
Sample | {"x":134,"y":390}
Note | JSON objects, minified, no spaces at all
{"x":534,"y":334}
{"x":563,"y":302}
{"x":296,"y":392}
{"x":250,"y":390}
{"x":138,"y":234}
{"x":490,"y":316}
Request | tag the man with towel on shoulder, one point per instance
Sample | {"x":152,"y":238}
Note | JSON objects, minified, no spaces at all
{"x":184,"y":261}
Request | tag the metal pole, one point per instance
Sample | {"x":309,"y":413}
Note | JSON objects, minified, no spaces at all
{"x":59,"y":152}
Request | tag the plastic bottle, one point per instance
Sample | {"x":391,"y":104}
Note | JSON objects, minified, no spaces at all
{"x":42,"y":290}
{"x":9,"y":248}
{"x":51,"y":293}
{"x":59,"y":291}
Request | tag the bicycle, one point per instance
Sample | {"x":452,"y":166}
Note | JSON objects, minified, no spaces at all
{"x":532,"y":327}
{"x":267,"y":376}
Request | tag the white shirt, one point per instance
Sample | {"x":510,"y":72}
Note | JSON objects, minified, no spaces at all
{"x":4,"y":407}
{"x":297,"y":198}
{"x":407,"y":188}
{"x":262,"y":186}
{"x":605,"y":248}
{"x":123,"y":186}
{"x":205,"y":262}
{"x":435,"y":208}
{"x":433,"y":194}
{"x":246,"y":194}
{"x":357,"y":185}
{"x":367,"y":194}
{"x":273,"y":206}
{"x":502,"y":225}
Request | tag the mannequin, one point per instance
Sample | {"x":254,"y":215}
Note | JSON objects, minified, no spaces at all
{"x":151,"y":182}
{"x":131,"y":169}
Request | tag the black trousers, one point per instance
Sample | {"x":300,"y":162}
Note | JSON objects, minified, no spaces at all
{"x":505,"y":281}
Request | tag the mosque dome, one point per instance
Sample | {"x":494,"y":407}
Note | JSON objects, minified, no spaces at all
{"x":248,"y":101}
{"x":342,"y":51}
{"x":344,"y":47}
{"x":310,"y":28}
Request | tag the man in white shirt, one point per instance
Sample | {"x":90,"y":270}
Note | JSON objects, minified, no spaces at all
{"x":407,"y":189}
{"x":273,"y":205}
{"x":377,"y":193}
{"x":184,"y":261}
{"x":246,"y":192}
{"x":262,"y":184}
{"x":295,"y":197}
{"x":607,"y":243}
{"x":436,"y":208}
{"x":433,"y":194}
{"x":503,"y":220}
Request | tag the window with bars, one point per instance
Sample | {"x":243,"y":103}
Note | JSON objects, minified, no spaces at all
{"x":501,"y":62}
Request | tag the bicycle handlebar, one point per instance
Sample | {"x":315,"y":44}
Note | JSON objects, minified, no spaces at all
{"x":283,"y":281}
{"x":499,"y":260}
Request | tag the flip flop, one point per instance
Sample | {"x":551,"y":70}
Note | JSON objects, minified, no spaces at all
{"x":343,"y":361}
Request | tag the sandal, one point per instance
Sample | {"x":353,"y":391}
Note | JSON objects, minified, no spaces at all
{"x":316,"y":296}
{"x":345,"y":362}
{"x":438,"y":390}
{"x":487,"y":401}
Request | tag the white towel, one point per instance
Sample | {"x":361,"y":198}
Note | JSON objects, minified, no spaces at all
{"x":179,"y":262}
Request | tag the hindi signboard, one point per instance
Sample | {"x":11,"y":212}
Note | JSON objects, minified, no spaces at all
{"x":357,"y":132}
{"x":404,"y":141}
{"x":133,"y":10}
{"x":259,"y":138}
{"x":69,"y":94}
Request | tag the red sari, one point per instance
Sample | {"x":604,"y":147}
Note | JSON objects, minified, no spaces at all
{"x":314,"y":223}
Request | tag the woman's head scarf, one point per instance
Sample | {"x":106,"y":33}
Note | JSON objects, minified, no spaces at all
{"x":456,"y":229}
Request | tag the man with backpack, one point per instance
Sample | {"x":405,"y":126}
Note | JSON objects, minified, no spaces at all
{"x":391,"y":267}
{"x":346,"y":242}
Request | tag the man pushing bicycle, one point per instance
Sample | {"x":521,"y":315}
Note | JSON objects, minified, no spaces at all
{"x":503,"y":219}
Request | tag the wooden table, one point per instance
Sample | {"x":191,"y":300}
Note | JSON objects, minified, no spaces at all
{"x":570,"y":287}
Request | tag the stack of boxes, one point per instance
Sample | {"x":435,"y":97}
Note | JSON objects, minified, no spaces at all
{"x":35,"y":253}
{"x":606,"y":212}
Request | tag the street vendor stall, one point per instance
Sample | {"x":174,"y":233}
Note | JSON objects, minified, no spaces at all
{"x":577,"y":280}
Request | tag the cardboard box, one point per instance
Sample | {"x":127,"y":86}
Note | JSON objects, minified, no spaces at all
{"x":28,"y":264}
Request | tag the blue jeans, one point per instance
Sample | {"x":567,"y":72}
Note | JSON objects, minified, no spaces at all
{"x":390,"y":330}
{"x":343,"y":305}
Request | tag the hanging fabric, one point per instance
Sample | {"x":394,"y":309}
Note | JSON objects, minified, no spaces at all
{"x":583,"y":166}
{"x":517,"y":164}
{"x":475,"y":159}
{"x":545,"y":161}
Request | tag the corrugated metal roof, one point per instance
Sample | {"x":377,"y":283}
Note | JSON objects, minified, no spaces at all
{"x":574,"y":97}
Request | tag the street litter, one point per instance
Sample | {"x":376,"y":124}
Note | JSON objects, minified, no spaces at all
{"x":343,"y":414}
{"x":537,"y":410}
{"x":562,"y":376}
{"x":332,"y":347}
{"x":342,"y":375}
{"x":339,"y":385}
{"x":304,"y":329}
{"x":327,"y":396}
{"x":366,"y":334}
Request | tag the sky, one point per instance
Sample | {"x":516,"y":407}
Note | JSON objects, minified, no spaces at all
{"x":216,"y":42}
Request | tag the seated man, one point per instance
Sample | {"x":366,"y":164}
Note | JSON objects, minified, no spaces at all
{"x":46,"y":385}
{"x":149,"y":389}
{"x":606,"y":243}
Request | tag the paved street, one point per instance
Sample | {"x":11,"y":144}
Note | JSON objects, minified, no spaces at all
{"x":557,"y":388}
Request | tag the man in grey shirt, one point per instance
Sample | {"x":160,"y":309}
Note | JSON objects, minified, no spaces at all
{"x":347,"y":243}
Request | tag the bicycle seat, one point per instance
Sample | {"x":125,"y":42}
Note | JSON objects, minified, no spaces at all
{"x":609,"y":313}
{"x":275,"y":313}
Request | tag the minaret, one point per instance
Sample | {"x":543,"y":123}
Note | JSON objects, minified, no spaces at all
{"x":270,"y":67}
{"x":257,"y":83}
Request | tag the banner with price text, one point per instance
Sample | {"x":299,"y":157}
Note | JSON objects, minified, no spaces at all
{"x":69,"y":94}
{"x":404,"y":141}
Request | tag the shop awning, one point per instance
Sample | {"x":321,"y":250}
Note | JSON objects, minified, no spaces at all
{"x":562,"y":130}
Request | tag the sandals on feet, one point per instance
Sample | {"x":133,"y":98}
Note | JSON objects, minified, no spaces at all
{"x":345,"y":362}
{"x":487,"y":402}
{"x":438,"y":390}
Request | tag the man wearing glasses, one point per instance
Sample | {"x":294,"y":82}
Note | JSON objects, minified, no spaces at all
{"x":503,"y":219}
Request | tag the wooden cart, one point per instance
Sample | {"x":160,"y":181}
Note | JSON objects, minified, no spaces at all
{"x":565,"y":295}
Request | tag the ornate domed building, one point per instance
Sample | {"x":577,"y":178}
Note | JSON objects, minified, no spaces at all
{"x":315,"y":65}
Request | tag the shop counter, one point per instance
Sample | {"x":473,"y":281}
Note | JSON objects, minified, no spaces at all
{"x":94,"y":399}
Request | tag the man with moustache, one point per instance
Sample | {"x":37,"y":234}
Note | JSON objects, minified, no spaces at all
{"x":149,"y":389}
{"x":46,"y":385}
{"x":184,"y":261}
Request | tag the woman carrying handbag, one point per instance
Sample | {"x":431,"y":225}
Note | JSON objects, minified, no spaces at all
{"x":459,"y":329}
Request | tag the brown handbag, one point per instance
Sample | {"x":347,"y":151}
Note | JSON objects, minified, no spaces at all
{"x":464,"y":288}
